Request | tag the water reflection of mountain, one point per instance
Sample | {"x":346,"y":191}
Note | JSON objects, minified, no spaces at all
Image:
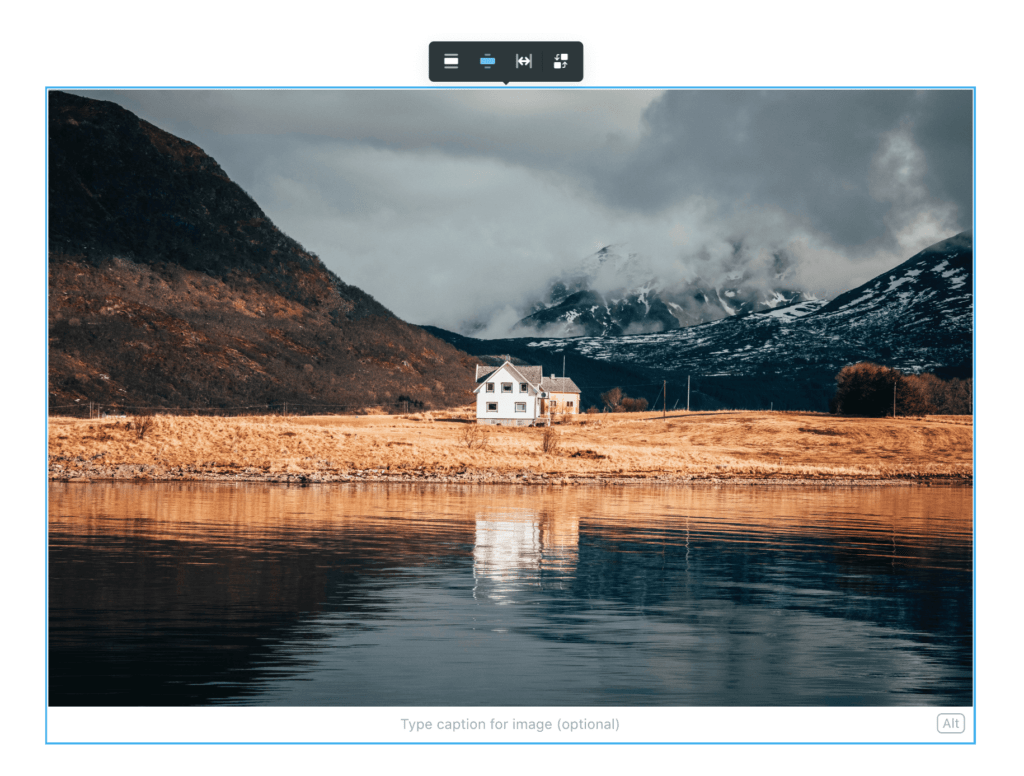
{"x":198,"y":594}
{"x":176,"y":594}
{"x":807,"y":575}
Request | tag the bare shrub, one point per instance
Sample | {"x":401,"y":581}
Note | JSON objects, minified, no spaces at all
{"x":617,"y":401}
{"x":474,"y":437}
{"x":592,"y":410}
{"x":141,"y":424}
{"x":612,"y":399}
{"x":551,"y":440}
{"x":633,"y":405}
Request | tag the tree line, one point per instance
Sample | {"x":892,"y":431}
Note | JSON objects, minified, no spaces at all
{"x":864,"y":389}
{"x":873,"y":390}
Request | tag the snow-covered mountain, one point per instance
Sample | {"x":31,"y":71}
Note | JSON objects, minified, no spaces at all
{"x":916,"y":317}
{"x":615,"y":293}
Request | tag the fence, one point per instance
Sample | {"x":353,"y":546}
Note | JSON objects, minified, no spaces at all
{"x":97,"y":410}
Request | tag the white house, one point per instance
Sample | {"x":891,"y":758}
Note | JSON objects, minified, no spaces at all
{"x":521,"y":396}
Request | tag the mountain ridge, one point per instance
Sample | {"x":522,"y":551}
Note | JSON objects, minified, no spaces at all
{"x":170,"y":287}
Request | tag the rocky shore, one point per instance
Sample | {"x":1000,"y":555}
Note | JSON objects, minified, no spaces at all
{"x":86,"y":470}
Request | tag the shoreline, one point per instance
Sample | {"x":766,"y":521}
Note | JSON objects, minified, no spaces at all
{"x":147,"y":473}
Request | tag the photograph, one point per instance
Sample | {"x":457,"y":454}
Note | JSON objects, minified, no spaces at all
{"x":510,"y":397}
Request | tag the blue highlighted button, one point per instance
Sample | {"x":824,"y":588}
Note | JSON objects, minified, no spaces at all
{"x":486,"y":60}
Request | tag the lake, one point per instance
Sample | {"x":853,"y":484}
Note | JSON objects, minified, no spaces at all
{"x":167,"y":594}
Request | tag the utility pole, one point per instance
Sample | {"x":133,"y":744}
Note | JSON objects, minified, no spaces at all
{"x":687,"y":393}
{"x":664,"y":398}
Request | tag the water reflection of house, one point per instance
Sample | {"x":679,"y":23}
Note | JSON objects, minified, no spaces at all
{"x":518,"y":549}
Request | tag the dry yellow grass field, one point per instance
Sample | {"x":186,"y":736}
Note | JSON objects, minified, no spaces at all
{"x":739,"y":445}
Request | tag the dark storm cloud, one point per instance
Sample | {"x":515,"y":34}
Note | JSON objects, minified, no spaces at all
{"x":812,"y":154}
{"x":942,"y":124}
{"x":451,"y":206}
{"x":538,"y":129}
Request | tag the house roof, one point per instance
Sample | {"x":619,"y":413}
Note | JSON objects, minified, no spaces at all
{"x":559,"y":385}
{"x":482,"y":370}
{"x":509,"y":367}
{"x":530,"y":374}
{"x":526,"y":374}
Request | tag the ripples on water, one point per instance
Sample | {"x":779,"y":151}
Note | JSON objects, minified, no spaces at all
{"x":171,"y":594}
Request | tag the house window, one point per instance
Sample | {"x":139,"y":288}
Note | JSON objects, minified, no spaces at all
{"x":568,"y":404}
{"x":492,"y":406}
{"x":523,"y":388}
{"x":520,"y":406}
{"x":554,"y":403}
{"x":490,"y":387}
{"x":506,"y":387}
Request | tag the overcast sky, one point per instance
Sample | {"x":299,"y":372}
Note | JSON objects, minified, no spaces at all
{"x":452,"y":206}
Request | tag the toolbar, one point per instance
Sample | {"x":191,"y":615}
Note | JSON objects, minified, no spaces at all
{"x":506,"y":61}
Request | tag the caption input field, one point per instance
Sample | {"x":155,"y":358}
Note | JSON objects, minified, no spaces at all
{"x":507,"y":725}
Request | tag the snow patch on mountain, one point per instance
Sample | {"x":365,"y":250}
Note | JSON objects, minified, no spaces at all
{"x":797,"y":310}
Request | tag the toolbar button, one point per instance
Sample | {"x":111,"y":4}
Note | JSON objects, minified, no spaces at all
{"x":951,"y":723}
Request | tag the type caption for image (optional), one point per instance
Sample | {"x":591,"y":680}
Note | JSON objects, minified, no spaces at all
{"x":526,"y":725}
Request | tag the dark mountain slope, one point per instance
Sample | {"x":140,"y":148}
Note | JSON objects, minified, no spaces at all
{"x":922,"y":309}
{"x":170,"y":287}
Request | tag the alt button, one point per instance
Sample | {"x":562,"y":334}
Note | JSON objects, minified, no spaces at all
{"x":951,"y":723}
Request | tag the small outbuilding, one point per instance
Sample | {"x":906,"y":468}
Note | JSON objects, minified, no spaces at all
{"x":522,"y":396}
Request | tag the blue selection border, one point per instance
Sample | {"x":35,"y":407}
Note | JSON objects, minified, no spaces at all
{"x":559,"y":87}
